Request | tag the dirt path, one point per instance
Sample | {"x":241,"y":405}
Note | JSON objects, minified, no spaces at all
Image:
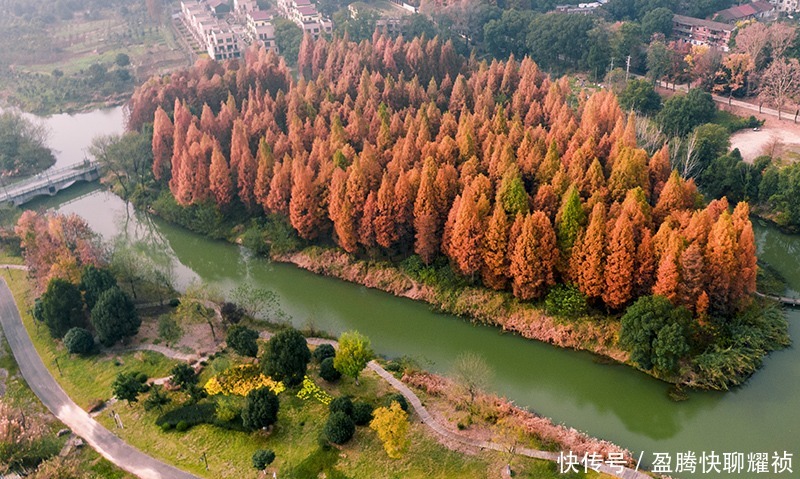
{"x":773,"y":139}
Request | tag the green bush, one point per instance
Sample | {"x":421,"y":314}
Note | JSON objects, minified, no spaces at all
{"x":260,"y":410}
{"x":328,"y":372}
{"x":566,"y":301}
{"x":168,"y":328}
{"x":396,"y":397}
{"x":263,"y":458}
{"x":182,"y":426}
{"x":323,"y":351}
{"x":79,"y":341}
{"x":341,"y":404}
{"x":189,"y":414}
{"x":243,"y":340}
{"x":339,"y":428}
{"x":362,"y":413}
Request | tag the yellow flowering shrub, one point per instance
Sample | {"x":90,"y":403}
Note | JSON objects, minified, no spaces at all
{"x":240,"y":380}
{"x":311,"y":390}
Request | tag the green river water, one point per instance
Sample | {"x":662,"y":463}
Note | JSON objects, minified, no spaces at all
{"x":608,"y":401}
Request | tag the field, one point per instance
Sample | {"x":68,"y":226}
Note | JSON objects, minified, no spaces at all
{"x":49,"y":64}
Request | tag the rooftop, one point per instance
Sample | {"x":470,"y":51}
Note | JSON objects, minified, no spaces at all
{"x":699,"y":22}
{"x":261,"y":15}
{"x":743,"y":11}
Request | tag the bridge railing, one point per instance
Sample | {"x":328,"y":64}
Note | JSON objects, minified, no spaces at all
{"x":52,"y":176}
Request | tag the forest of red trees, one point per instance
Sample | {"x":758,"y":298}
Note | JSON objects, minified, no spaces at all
{"x":396,"y":148}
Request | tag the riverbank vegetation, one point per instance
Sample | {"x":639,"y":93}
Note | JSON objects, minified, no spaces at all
{"x":73,"y":55}
{"x":23,"y":150}
{"x":208,"y":429}
{"x":482,"y":175}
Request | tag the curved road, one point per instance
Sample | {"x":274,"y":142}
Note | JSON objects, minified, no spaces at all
{"x":50,"y":393}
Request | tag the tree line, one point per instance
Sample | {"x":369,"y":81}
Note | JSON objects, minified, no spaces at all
{"x":520,"y":181}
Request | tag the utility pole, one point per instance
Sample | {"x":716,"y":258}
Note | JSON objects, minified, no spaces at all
{"x":627,"y":68}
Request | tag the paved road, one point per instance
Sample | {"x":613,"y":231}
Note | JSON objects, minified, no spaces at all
{"x":50,"y":393}
{"x":786,"y":114}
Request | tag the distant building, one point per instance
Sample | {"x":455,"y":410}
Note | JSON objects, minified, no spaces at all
{"x":218,"y":39}
{"x":702,"y":32}
{"x":759,"y":10}
{"x":261,"y":30}
{"x":391,"y":24}
{"x":786,"y":6}
{"x":581,"y":8}
{"x":243,"y":7}
{"x":219,"y":7}
{"x":305,"y":15}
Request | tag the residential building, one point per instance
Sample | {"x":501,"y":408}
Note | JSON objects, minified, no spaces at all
{"x":759,"y":10}
{"x":581,"y":8}
{"x":243,"y":7}
{"x":786,"y":6}
{"x":216,"y":38}
{"x":702,"y":32}
{"x":305,"y":15}
{"x":260,"y":28}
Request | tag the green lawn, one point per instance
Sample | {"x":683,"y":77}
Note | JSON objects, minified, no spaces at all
{"x":295,"y":438}
{"x":84,"y":379}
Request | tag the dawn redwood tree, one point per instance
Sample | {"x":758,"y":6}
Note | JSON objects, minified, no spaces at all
{"x":114,"y":317}
{"x":466,"y":241}
{"x":426,"y":216}
{"x":619,"y":266}
{"x":286,"y":357}
{"x":220,"y":178}
{"x":588,"y":256}
{"x":163,"y":134}
{"x":495,"y":257}
{"x":534,"y":259}
{"x":722,"y":267}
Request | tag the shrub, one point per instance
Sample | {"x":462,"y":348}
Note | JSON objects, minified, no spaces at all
{"x":339,"y":428}
{"x":168,"y":328}
{"x":263,"y":458}
{"x":231,"y":312}
{"x":566,"y":301}
{"x":79,"y":341}
{"x":166,"y":426}
{"x":328,"y":372}
{"x":243,"y":340}
{"x":286,"y":357}
{"x":398,"y":398}
{"x":183,"y":376}
{"x":114,"y":316}
{"x":60,"y":307}
{"x":141,"y":377}
{"x":362,"y":413}
{"x":341,"y":404}
{"x":182,"y":426}
{"x":174,"y":302}
{"x":324,"y":351}
{"x":228,"y":409}
{"x":261,"y":409}
{"x":189,"y":414}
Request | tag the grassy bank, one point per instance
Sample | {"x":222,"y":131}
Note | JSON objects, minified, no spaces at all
{"x":295,"y":438}
{"x":17,"y":394}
